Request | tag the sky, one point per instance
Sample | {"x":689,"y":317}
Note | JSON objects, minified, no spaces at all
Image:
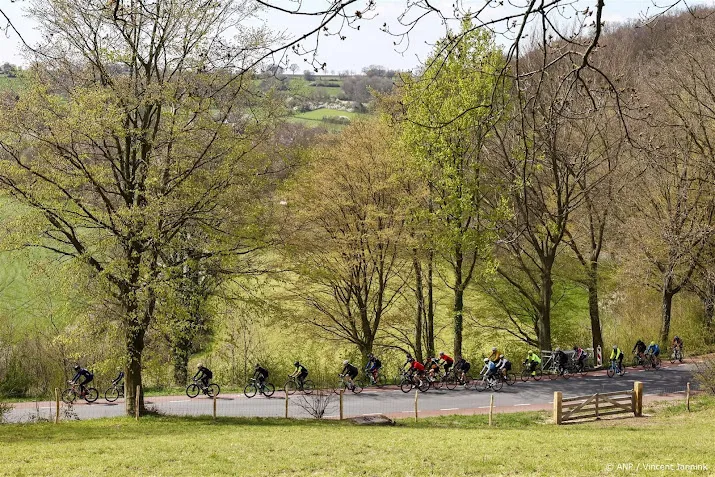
{"x":359,"y":49}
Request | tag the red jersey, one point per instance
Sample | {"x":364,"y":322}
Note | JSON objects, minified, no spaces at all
{"x":447,"y":359}
{"x":418,"y":366}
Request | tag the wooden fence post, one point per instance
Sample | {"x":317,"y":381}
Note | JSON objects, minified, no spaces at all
{"x":136,"y":403}
{"x":417,"y":392}
{"x":558,"y":396}
{"x":214,"y":407}
{"x":638,"y":392}
{"x":286,"y":403}
{"x":491,"y":408}
{"x":597,"y":416}
{"x":57,"y":406}
{"x":342,"y":391}
{"x":687,"y":397}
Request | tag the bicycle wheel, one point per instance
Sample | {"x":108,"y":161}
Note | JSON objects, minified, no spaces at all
{"x":538,"y":375}
{"x":636,"y":362}
{"x":213,"y":390}
{"x":406,"y":385}
{"x":525,"y":375}
{"x":290,"y":387}
{"x":192,"y":390}
{"x":359,"y":386}
{"x":91,"y":395}
{"x":69,"y":396}
{"x":553,"y":374}
{"x":497,"y":384}
{"x":437,"y":384}
{"x":381,"y":381}
{"x":308,"y":386}
{"x":467,"y":381}
{"x":611,"y":372}
{"x":424,"y":385}
{"x":268,"y":389}
{"x":480,"y":384}
{"x":566,"y":373}
{"x":111,"y":394}
{"x":250,"y":390}
{"x":451,"y":382}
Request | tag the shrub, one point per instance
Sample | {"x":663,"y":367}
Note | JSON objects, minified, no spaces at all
{"x":705,"y":375}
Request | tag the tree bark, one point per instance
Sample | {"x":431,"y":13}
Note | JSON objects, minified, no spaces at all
{"x":133,"y":376}
{"x":544,"y":325}
{"x":709,"y":315}
{"x":458,"y":307}
{"x":181,"y":350}
{"x":593,"y":311}
{"x":429,"y":322}
{"x":420,"y":297}
{"x":667,"y":310}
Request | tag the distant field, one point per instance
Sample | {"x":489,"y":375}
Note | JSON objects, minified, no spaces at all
{"x":315,"y":118}
{"x":520,"y":444}
{"x":15,"y":84}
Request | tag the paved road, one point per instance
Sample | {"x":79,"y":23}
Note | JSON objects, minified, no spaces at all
{"x":391,"y":401}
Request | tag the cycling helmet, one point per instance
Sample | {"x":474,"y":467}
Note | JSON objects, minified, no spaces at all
{"x":411,"y":359}
{"x":615,"y":347}
{"x":297,"y":363}
{"x":501,"y":356}
{"x":76,"y":367}
{"x":652,"y":343}
{"x":486,"y":360}
{"x":441,"y":353}
{"x":677,"y":337}
{"x":557,"y":349}
{"x":257,"y":366}
{"x":494,"y":348}
{"x":345,"y":362}
{"x":370,"y":355}
{"x":200,"y":365}
{"x":575,"y":348}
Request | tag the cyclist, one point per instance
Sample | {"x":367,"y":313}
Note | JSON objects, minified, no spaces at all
{"x":532,"y":361}
{"x":373,"y":366}
{"x":260,"y":374}
{"x":417,"y":367}
{"x":580,"y":356}
{"x":81,"y":372}
{"x":654,"y":351}
{"x":461,"y":367}
{"x":617,"y":355}
{"x":119,"y":377}
{"x":562,"y":359}
{"x":678,"y":345}
{"x":639,"y":348}
{"x":491,"y":367}
{"x":350,"y":371}
{"x":503,"y":365}
{"x":203,"y":374}
{"x":300,"y":373}
{"x":447,"y":362}
{"x":432,"y":365}
{"x":494,"y":356}
{"x":408,"y":361}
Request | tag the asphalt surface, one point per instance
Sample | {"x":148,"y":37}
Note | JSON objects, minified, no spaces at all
{"x":389,"y":400}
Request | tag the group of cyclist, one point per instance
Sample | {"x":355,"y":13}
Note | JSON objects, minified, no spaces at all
{"x":494,"y":364}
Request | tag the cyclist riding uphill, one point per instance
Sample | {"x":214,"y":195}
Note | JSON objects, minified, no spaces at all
{"x":301,"y":372}
{"x":677,"y":343}
{"x":447,"y":362}
{"x":350,"y":371}
{"x":416,"y":366}
{"x":491,"y":367}
{"x":81,"y":372}
{"x":503,"y":365}
{"x":494,"y":356}
{"x":260,"y":373}
{"x":561,"y":358}
{"x":203,"y":374}
{"x":373,"y":365}
{"x":617,"y":354}
{"x":639,"y":348}
{"x":580,"y":356}
{"x":532,"y":361}
{"x":653,"y":349}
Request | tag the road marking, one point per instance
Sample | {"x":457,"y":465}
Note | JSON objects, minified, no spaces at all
{"x":183,"y":400}
{"x":450,"y":409}
{"x":483,"y":407}
{"x":373,"y":414}
{"x":523,"y":404}
{"x":403,"y":412}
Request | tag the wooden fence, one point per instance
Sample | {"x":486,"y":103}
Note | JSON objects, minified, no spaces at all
{"x":598,"y":405}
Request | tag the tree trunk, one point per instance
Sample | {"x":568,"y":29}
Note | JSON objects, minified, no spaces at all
{"x":181,"y":351}
{"x":667,"y":310}
{"x":709,"y":324}
{"x":429,"y":322}
{"x":596,"y":335}
{"x":458,"y":301}
{"x":544,"y":324}
{"x":420,"y":297}
{"x":133,"y":376}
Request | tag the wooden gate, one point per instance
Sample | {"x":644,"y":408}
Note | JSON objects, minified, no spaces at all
{"x":597,"y":405}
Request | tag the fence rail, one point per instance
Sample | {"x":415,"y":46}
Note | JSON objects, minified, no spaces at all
{"x":597,"y":405}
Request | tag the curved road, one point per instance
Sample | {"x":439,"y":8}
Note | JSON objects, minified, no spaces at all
{"x":660,"y":384}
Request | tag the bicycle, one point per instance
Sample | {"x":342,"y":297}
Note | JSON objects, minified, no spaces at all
{"x":491,"y":381}
{"x":615,"y":369}
{"x":559,"y":370}
{"x":371,"y":381}
{"x":638,"y":359}
{"x":579,"y":367}
{"x":293,"y":385}
{"x":193,"y":389}
{"x":677,"y":355}
{"x":356,"y":386}
{"x":527,"y":373}
{"x":70,"y":394}
{"x":114,"y":392}
{"x":410,"y":381}
{"x":651,"y":362}
{"x":507,"y":377}
{"x":255,"y":386}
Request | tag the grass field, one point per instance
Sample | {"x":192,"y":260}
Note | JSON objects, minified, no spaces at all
{"x":520,"y":444}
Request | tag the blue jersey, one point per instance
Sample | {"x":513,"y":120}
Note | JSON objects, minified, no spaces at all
{"x":653,"y":349}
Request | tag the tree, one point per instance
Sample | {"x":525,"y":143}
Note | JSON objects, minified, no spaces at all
{"x":136,"y":130}
{"x":308,"y":75}
{"x":450,"y":153}
{"x":349,"y":209}
{"x":294,"y":67}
